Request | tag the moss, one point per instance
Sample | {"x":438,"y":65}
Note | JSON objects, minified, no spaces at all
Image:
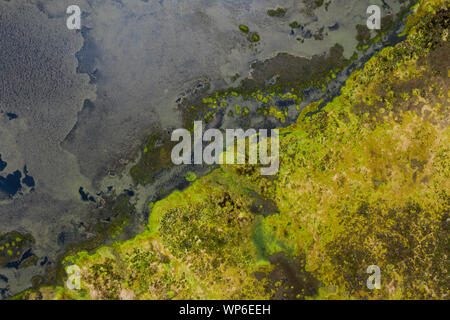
{"x":278,"y":12}
{"x":348,"y":183}
{"x":254,"y":37}
{"x":244,"y":28}
{"x":319,"y":3}
{"x":190,"y":176}
{"x":155,"y":157}
{"x":13,"y":245}
{"x":294,"y":25}
{"x":191,"y":235}
{"x":237,"y":109}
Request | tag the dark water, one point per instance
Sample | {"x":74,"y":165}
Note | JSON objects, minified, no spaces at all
{"x":16,"y":264}
{"x":3,"y":164}
{"x":28,"y":180}
{"x":333,"y":27}
{"x":43,"y":262}
{"x":85,"y":195}
{"x":4,"y":278}
{"x":285,"y":103}
{"x":11,"y":183}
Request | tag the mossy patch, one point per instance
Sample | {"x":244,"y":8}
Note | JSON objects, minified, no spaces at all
{"x":244,"y":28}
{"x":278,"y":12}
{"x":13,"y":245}
{"x":155,"y":156}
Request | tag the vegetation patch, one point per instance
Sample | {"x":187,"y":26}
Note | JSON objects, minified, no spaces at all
{"x":244,"y":28}
{"x":154,"y":157}
{"x":278,"y":12}
{"x":15,"y":250}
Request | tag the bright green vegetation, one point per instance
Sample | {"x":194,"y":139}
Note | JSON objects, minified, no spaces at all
{"x":254,"y":37}
{"x":278,"y":12}
{"x":364,"y":180}
{"x":244,"y":28}
{"x":251,"y":36}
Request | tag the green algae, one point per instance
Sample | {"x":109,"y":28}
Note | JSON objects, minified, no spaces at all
{"x":244,"y":28}
{"x":254,"y":37}
{"x":190,"y":177}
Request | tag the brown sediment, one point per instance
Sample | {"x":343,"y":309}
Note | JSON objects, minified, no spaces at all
{"x":289,"y":279}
